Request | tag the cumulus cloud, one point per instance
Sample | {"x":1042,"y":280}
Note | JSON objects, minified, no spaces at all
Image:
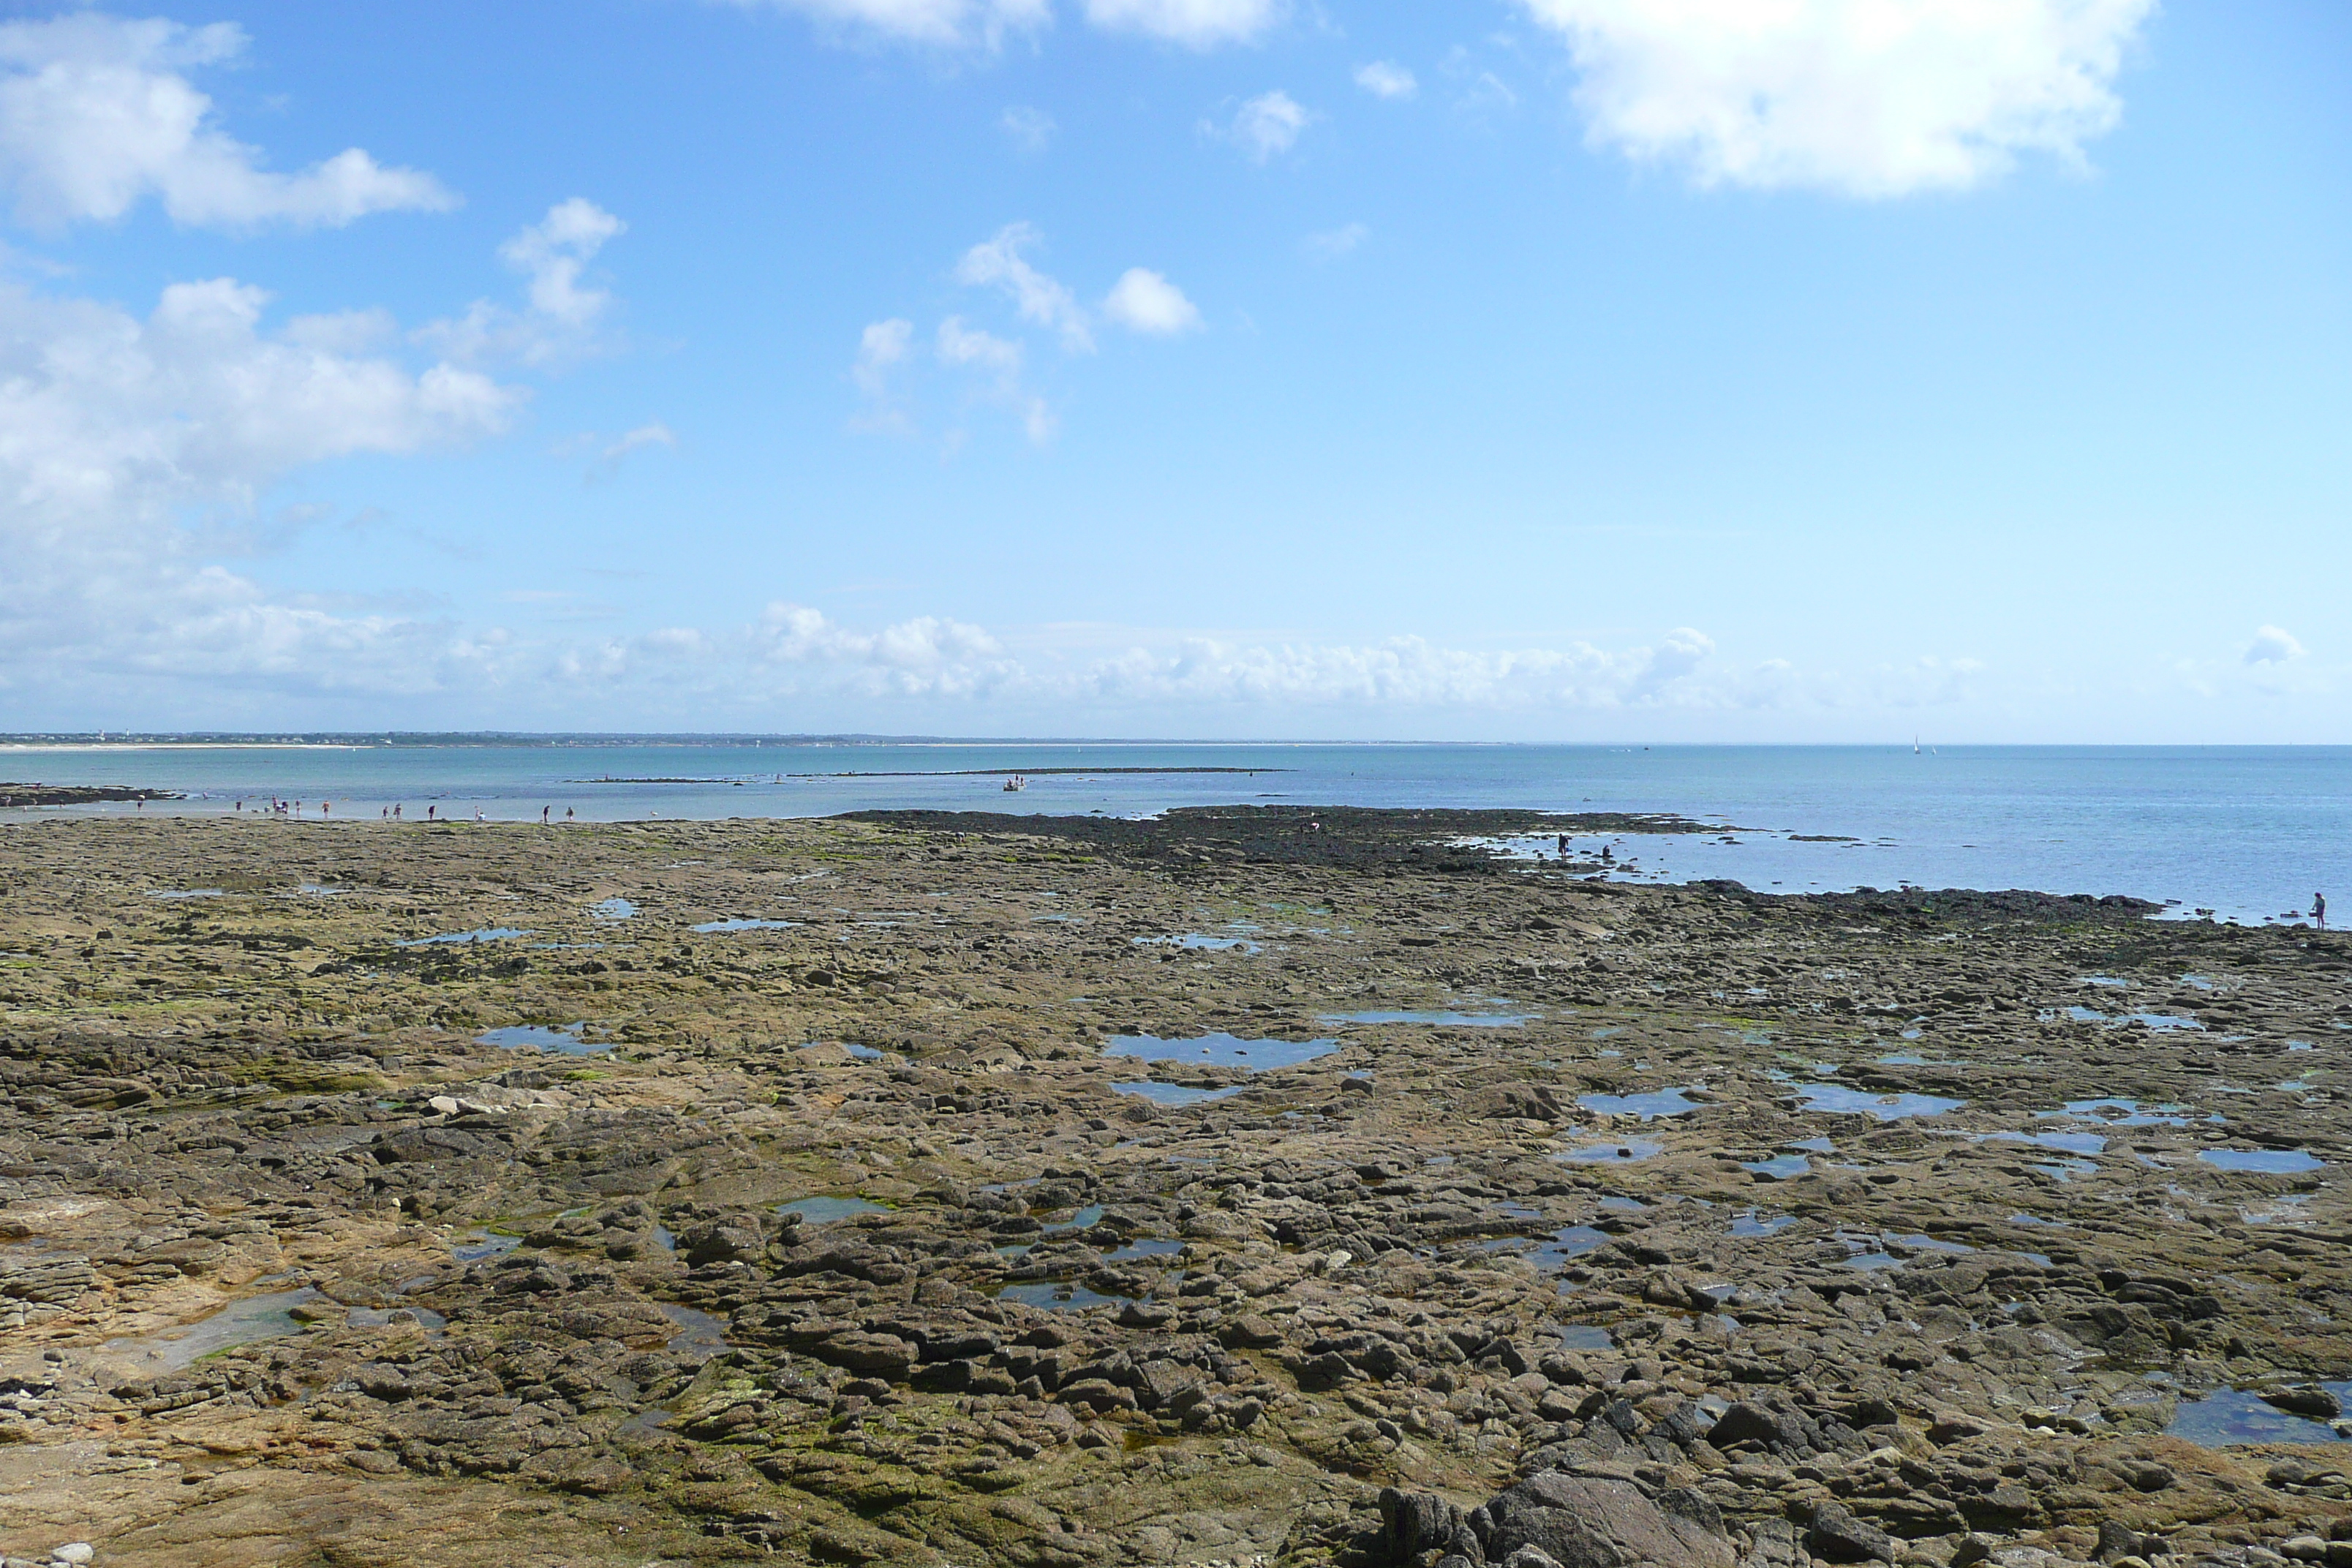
{"x":999,"y":263}
{"x":1866,"y":98}
{"x":118,"y":432}
{"x":1266,"y":126}
{"x":2272,"y":645}
{"x":1385,"y":78}
{"x":1195,"y":24}
{"x":563,"y":319}
{"x":1144,"y":301}
{"x":1406,"y":672}
{"x":97,"y":114}
{"x":936,"y":24}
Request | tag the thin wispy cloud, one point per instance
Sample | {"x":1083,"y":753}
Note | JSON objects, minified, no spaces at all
{"x":1195,"y":24}
{"x":1265,"y":127}
{"x":1000,"y":263}
{"x":1332,"y":244}
{"x":1385,"y":78}
{"x":1029,"y":130}
{"x":950,"y":24}
{"x":563,"y":317}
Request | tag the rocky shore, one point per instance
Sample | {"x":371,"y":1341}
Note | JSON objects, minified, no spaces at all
{"x":1252,"y":1185}
{"x":18,"y":796}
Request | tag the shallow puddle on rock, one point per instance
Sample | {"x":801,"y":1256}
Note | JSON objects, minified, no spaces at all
{"x":1843,"y":1102}
{"x":1779,"y":1167}
{"x":2267,"y":1162}
{"x":564,"y":1039}
{"x":269,"y":1316}
{"x":827,"y":1209}
{"x":185,"y":894}
{"x":700,"y":1336}
{"x":1142,"y":1247}
{"x":2229,"y":1416}
{"x":1201,"y":941}
{"x":1569,"y":1242}
{"x":613,"y":910}
{"x":1083,"y":1219}
{"x":1931,"y":1243}
{"x":1174,"y":1094}
{"x":2065,"y":1143}
{"x":483,"y":1244}
{"x":2124,"y":1112}
{"x":1221,"y":1049}
{"x":1750,"y":1225}
{"x":1586,"y":1337}
{"x":708,"y":926}
{"x":1654,"y":1103}
{"x":462,"y":938}
{"x":1060,"y":1296}
{"x":2066,"y":1169}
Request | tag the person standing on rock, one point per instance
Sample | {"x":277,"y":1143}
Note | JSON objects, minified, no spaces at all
{"x":2319,"y":911}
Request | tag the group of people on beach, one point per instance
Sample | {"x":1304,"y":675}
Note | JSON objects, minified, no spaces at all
{"x":393,"y":813}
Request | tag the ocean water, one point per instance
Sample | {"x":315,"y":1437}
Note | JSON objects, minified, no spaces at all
{"x":2248,"y":833}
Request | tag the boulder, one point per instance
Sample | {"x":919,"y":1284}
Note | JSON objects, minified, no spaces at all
{"x":1581,"y":1522}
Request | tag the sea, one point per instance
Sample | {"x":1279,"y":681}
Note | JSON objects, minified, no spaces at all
{"x":2242,"y":833}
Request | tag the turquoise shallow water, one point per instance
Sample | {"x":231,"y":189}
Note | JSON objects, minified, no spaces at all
{"x":2249,"y":831}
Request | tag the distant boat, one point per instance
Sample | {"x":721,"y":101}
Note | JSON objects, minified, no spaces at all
{"x":1015,"y":784}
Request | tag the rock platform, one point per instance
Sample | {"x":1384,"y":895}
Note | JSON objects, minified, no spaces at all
{"x":1931,"y":1229}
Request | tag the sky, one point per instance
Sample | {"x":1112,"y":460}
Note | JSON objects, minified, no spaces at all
{"x":1521,"y":370}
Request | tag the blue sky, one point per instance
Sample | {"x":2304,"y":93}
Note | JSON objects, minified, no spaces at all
{"x":1546,"y":370}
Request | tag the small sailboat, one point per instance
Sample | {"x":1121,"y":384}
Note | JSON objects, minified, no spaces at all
{"x":1914,"y":745}
{"x":1015,"y":784}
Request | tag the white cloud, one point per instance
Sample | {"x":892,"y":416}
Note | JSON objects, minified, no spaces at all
{"x":1866,"y":97}
{"x":1144,"y":301}
{"x":938,"y":24}
{"x":563,"y":319}
{"x":1267,"y":125}
{"x":1195,"y":24}
{"x":959,"y":345}
{"x":881,"y":348}
{"x":1000,"y":359}
{"x":999,"y":263}
{"x":655,"y":434}
{"x":130,"y":449}
{"x":1385,"y":78}
{"x":96,"y":115}
{"x":1030,"y":130}
{"x":1408,"y":671}
{"x":2271,"y":644}
{"x":1332,"y":244}
{"x":929,"y":655}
